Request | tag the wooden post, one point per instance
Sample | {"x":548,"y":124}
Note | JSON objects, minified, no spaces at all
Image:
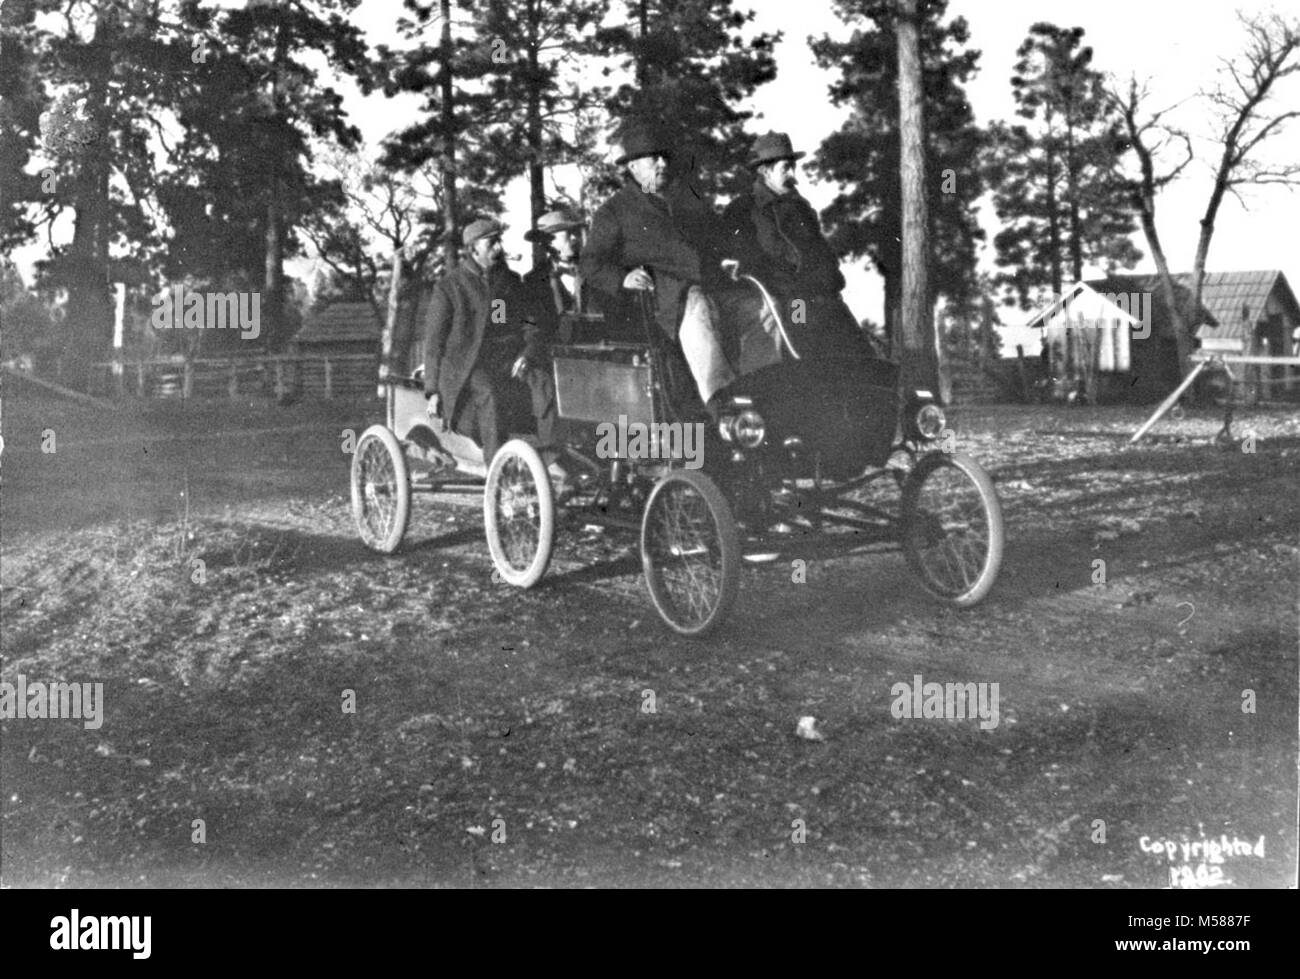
{"x":329,"y":380}
{"x":187,"y":380}
{"x":139,"y":378}
{"x":1169,"y":402}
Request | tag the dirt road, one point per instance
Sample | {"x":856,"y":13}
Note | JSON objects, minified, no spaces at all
{"x":282,"y":706}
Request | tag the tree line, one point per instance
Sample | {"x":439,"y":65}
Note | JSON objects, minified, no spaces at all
{"x":159,"y":141}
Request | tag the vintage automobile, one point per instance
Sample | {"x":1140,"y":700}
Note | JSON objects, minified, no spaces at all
{"x":815,"y":454}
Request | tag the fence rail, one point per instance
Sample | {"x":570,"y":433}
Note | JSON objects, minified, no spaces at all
{"x":278,"y":375}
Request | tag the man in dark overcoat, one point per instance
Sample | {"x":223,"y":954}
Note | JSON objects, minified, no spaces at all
{"x":775,"y":235}
{"x":652,"y":240}
{"x":557,"y":278}
{"x":485,"y":347}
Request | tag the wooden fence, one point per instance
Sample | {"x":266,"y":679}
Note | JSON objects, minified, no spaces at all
{"x":272,"y":375}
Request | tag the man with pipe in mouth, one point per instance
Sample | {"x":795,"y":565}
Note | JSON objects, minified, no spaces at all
{"x":485,"y":349}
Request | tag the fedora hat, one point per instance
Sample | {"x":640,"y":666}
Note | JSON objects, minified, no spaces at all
{"x":638,"y":140}
{"x":482,"y":228}
{"x":561,"y":219}
{"x":773,"y":146}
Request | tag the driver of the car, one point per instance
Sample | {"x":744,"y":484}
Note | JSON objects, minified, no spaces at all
{"x":653,"y":238}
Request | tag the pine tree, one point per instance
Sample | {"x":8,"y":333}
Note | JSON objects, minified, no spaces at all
{"x":535,"y":105}
{"x":243,"y":181}
{"x":864,"y":155}
{"x":1058,"y":189}
{"x":448,"y":73}
{"x":692,"y":62}
{"x":109,"y":69}
{"x":22,"y":96}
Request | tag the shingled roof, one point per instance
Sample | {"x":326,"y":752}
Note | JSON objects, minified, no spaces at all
{"x":346,"y":322}
{"x":1238,"y":298}
{"x":342,"y":323}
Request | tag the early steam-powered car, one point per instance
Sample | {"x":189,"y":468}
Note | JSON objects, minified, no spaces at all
{"x":822,"y":452}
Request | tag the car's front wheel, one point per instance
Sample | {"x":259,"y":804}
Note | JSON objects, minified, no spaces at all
{"x":690,"y":552}
{"x":519,"y":514}
{"x":952,"y":527}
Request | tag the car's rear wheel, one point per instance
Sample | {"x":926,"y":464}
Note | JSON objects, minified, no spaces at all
{"x":952,"y":527}
{"x":519,"y":514}
{"x":381,"y":490}
{"x":690,"y":552}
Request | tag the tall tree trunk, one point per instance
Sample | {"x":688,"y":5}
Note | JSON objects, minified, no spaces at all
{"x":643,"y":19}
{"x":271,"y":333}
{"x":1186,"y":347}
{"x":1143,"y":199}
{"x":1053,"y":222}
{"x":273,"y":277}
{"x":536,"y":185}
{"x":920,"y":356}
{"x":448,"y":156}
{"x":89,"y":305}
{"x":1147,"y":215}
{"x":1072,"y":189}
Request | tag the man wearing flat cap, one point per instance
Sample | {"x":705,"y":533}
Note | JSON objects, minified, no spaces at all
{"x":484,"y":347}
{"x":654,"y":240}
{"x":557,"y":279}
{"x":774,"y":233}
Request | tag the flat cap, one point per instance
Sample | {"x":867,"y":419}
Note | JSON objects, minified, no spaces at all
{"x":482,"y":228}
{"x":561,"y":219}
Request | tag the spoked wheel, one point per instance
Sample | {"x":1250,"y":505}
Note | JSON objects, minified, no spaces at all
{"x":952,"y":527}
{"x":519,"y":513}
{"x":690,"y":552}
{"x":381,"y":490}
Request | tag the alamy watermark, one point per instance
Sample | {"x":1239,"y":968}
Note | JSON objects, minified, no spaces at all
{"x":644,"y":440}
{"x":1134,"y":304}
{"x":953,"y":701}
{"x":52,"y":701}
{"x":178,"y":308}
{"x":76,"y":931}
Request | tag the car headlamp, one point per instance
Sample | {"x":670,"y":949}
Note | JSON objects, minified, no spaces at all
{"x":746,"y":429}
{"x":929,"y":421}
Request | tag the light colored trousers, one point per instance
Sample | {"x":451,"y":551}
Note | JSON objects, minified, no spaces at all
{"x":700,"y":337}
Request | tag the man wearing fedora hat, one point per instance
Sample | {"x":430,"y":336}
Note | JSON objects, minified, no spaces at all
{"x":774,"y":233}
{"x":653,"y":240}
{"x":557,"y":279}
{"x":484,"y":347}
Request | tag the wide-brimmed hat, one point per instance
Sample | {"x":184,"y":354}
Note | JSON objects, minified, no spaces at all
{"x":561,"y":219}
{"x":482,"y":228}
{"x":640,"y":140}
{"x":772,"y":146}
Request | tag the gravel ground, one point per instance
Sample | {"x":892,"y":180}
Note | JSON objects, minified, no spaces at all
{"x":200,"y":562}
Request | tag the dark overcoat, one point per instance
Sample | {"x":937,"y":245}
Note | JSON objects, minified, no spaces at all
{"x":547,"y":286}
{"x":667,"y":235}
{"x":778,"y":240}
{"x":459,"y":315}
